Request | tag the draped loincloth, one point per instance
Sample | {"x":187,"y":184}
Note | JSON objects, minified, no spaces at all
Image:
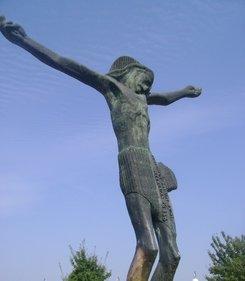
{"x":139,"y":173}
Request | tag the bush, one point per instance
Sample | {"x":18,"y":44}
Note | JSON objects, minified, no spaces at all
{"x":228,"y":258}
{"x":86,"y":267}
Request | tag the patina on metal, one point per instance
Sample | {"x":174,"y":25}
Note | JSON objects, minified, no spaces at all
{"x":144,"y":182}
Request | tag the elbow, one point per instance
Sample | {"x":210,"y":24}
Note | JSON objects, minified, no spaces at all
{"x":58,"y":60}
{"x":162,"y":100}
{"x":158,"y":100}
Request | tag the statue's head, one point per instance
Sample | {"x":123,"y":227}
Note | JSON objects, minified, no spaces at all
{"x":133,"y":74}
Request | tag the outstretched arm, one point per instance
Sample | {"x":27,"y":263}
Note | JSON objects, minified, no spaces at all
{"x":16,"y":34}
{"x":168,"y":98}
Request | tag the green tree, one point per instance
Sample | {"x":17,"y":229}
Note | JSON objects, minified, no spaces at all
{"x":86,"y":267}
{"x":228,"y":258}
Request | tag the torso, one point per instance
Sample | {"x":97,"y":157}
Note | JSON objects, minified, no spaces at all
{"x":129,"y":115}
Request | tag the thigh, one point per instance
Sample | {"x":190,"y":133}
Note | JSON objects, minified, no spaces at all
{"x":139,"y":209}
{"x":166,"y":236}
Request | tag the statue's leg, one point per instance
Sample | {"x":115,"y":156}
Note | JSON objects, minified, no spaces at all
{"x":139,"y":210}
{"x":168,"y":252}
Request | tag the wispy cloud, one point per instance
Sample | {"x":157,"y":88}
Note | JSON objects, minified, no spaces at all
{"x":16,"y":195}
{"x":190,"y":120}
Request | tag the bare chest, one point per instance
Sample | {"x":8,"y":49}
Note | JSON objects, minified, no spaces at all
{"x":129,"y":112}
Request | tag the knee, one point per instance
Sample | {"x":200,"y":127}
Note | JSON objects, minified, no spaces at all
{"x":176,"y":259}
{"x":170,"y":260}
{"x":152,"y":252}
{"x":149,"y":251}
{"x":175,"y":262}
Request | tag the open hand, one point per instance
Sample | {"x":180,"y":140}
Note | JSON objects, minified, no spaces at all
{"x":192,"y":92}
{"x":13,"y":32}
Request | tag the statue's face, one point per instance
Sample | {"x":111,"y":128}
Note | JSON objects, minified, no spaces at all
{"x":139,"y":80}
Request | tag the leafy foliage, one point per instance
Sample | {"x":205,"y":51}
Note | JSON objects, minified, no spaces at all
{"x":86,"y":267}
{"x":228,"y":258}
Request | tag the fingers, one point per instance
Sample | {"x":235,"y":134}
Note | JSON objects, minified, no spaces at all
{"x":193,"y":92}
{"x":198,"y":90}
{"x":9,"y":23}
{"x":5,"y":25}
{"x":11,"y":30}
{"x":10,"y":26}
{"x":2,"y":21}
{"x":21,"y":30}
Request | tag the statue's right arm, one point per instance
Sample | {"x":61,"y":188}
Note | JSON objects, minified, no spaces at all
{"x":16,"y":34}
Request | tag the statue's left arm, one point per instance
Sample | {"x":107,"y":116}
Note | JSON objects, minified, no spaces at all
{"x":168,"y":98}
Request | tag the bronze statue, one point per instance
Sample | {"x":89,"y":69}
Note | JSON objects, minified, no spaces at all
{"x":144,"y":182}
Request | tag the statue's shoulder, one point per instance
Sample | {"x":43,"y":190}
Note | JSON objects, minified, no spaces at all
{"x":113,"y":82}
{"x":116,"y":88}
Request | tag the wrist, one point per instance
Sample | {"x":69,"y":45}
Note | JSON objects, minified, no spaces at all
{"x":21,"y":40}
{"x":183,"y":93}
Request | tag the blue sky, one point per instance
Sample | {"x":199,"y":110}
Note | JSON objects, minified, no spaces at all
{"x":58,"y":168}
